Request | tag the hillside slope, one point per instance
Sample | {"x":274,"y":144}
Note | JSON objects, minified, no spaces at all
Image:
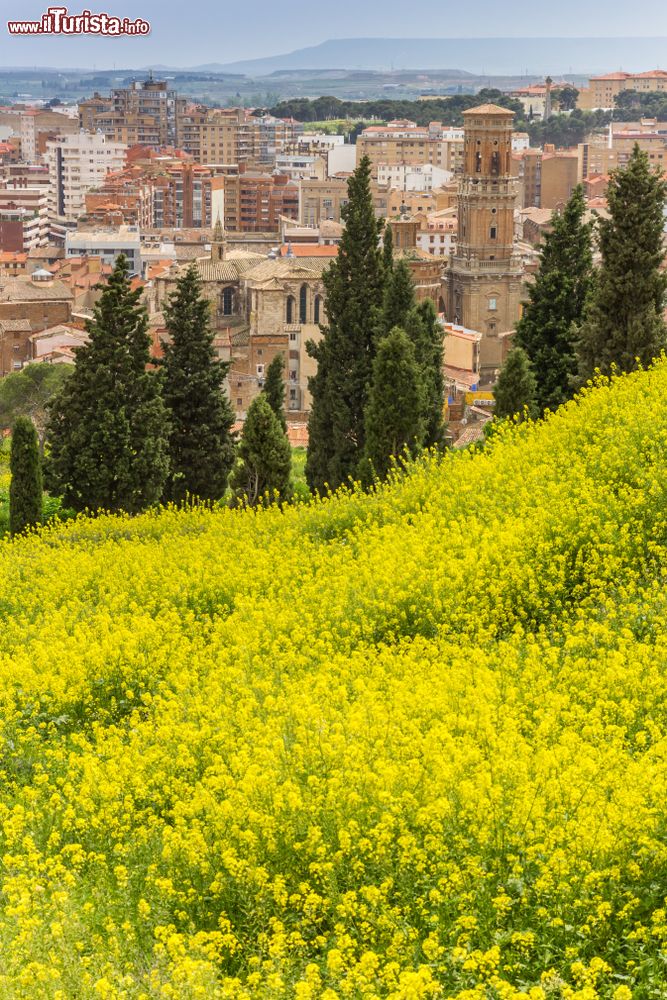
{"x":394,"y":746}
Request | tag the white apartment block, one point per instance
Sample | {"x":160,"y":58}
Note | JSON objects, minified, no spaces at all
{"x":76,"y":164}
{"x":27,"y":206}
{"x":107,"y":244}
{"x":436,"y":242}
{"x":412,"y":177}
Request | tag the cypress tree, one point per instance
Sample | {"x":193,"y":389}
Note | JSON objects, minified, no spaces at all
{"x":354,"y":285}
{"x":624,"y":324}
{"x":274,"y":389}
{"x":426,"y":333}
{"x":201,"y":446}
{"x":107,"y":431}
{"x":387,"y":250}
{"x":393,"y":412}
{"x":399,"y":298}
{"x":265,"y":457}
{"x":515,"y":389}
{"x":25,"y":488}
{"x":547,"y":330}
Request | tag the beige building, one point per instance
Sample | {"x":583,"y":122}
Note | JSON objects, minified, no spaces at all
{"x":483,"y":282}
{"x":601,"y":154}
{"x":27,"y":306}
{"x":546,"y":177}
{"x":405,"y":143}
{"x":602,"y":91}
{"x":77,"y":163}
{"x":37,"y":126}
{"x":320,"y":200}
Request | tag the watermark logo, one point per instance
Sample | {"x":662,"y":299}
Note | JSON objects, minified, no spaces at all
{"x":58,"y":21}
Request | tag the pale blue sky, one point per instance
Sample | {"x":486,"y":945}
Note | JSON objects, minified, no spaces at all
{"x":192,"y":32}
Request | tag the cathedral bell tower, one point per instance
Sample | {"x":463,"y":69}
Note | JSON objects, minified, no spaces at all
{"x":484,"y":275}
{"x":218,"y":242}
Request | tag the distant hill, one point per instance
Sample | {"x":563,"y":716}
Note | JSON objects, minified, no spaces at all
{"x":493,"y":56}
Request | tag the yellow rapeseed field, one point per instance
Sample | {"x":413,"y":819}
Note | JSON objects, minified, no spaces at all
{"x":407,"y":745}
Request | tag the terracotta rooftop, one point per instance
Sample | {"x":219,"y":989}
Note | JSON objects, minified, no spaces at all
{"x":309,"y":250}
{"x":489,"y":109}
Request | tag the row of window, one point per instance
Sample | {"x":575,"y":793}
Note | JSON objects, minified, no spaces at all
{"x":290,"y":309}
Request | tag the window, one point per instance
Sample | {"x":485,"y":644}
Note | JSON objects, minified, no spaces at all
{"x":292,"y":394}
{"x":493,"y":303}
{"x":260,"y":352}
{"x":495,"y":163}
{"x":318,"y":301}
{"x":493,"y":232}
{"x":260,"y":369}
{"x":303,"y":304}
{"x":478,"y":162}
{"x":239,"y":401}
{"x":290,"y":309}
{"x":292,"y":337}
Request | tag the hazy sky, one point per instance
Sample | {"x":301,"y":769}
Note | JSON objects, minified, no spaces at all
{"x":192,"y":32}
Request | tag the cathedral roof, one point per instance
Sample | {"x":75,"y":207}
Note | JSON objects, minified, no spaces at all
{"x":289,"y":267}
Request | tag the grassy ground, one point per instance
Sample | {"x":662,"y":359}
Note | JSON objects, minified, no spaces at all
{"x":299,"y":484}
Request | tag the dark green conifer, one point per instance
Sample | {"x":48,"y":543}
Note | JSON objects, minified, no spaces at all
{"x":514,"y":392}
{"x":624,"y":325}
{"x":263,"y":470}
{"x":547,"y":330}
{"x":25,"y":488}
{"x":201,"y":445}
{"x":426,"y":333}
{"x":393,"y":412}
{"x":354,"y":285}
{"x":107,"y":432}
{"x":274,"y":388}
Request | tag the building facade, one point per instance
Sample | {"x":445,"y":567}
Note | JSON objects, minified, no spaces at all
{"x":77,"y":163}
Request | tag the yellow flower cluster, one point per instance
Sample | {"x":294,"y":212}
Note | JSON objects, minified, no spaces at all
{"x":405,"y":745}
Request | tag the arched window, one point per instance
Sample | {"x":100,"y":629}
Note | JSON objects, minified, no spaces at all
{"x":317,"y":309}
{"x":495,"y":164}
{"x":227,"y":301}
{"x":478,"y":162}
{"x":290,"y":308}
{"x":303,"y":304}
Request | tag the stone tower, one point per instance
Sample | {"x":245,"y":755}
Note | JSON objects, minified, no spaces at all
{"x":218,"y":242}
{"x":483,"y":282}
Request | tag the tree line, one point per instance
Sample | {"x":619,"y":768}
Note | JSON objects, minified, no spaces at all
{"x":449,"y":109}
{"x":125,"y":431}
{"x":580,"y":319}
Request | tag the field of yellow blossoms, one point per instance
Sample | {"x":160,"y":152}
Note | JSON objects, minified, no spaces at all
{"x":402,"y":746}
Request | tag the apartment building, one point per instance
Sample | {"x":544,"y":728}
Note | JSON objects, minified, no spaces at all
{"x":320,"y":200}
{"x":216,"y":135}
{"x":254,"y":202}
{"x":546,"y":177}
{"x":38,"y":127}
{"x":603,"y":90}
{"x":601,"y":154}
{"x":107,"y":244}
{"x":145,"y":113}
{"x":412,"y":177}
{"x":405,"y":143}
{"x":77,"y":163}
{"x":24,"y":222}
{"x":91,"y":108}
